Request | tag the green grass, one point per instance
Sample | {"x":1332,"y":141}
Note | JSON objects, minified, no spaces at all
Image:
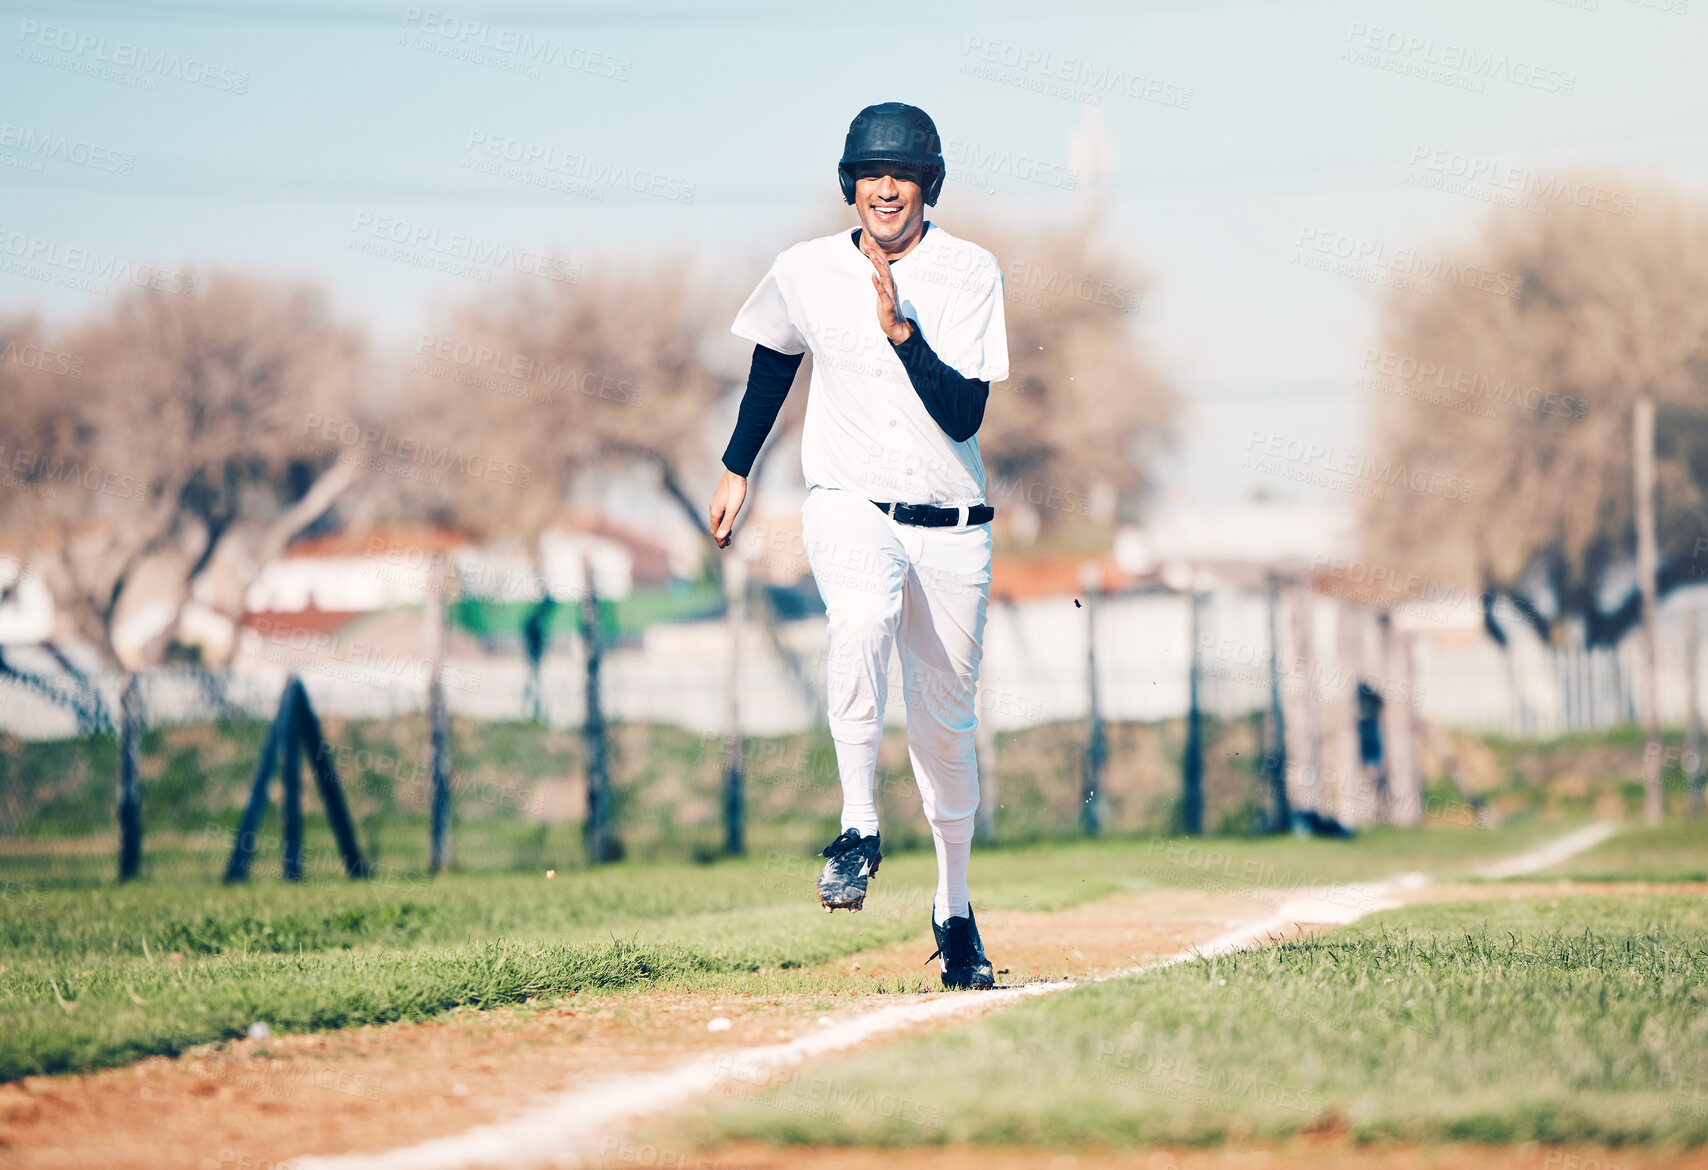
{"x":206,"y":962}
{"x":1576,"y":774}
{"x":518,"y":796}
{"x":1233,"y":864}
{"x":330,"y":953}
{"x":1577,"y":1020}
{"x":1677,"y":851}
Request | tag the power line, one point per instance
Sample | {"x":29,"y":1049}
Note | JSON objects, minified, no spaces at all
{"x":1215,"y":180}
{"x":1268,"y":392}
{"x":268,"y":189}
{"x":204,"y":12}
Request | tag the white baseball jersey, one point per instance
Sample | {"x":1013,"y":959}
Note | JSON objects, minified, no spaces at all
{"x":866,"y":429}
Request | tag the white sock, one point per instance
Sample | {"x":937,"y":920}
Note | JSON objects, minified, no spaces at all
{"x":857,"y":764}
{"x":954,"y":849}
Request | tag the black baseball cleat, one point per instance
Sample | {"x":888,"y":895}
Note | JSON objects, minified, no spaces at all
{"x":964,"y":964}
{"x":853,"y":859}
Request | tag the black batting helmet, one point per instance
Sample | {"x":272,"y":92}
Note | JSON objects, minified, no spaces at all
{"x":894,"y":133}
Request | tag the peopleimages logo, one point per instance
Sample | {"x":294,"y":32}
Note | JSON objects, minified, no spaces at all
{"x":40,"y":357}
{"x":1469,"y":385}
{"x":43,"y":474}
{"x":392,"y":237}
{"x":409,"y":451}
{"x":514,"y":373}
{"x":584,"y":173}
{"x":1320,"y":246}
{"x":1519,"y":181}
{"x":85,"y":268}
{"x":44,"y":144}
{"x":129,"y":55}
{"x":1033,"y":284}
{"x":477,"y":41}
{"x":1424,"y":53}
{"x":1071,"y":77}
{"x":972,"y":162}
{"x":1265,"y":448}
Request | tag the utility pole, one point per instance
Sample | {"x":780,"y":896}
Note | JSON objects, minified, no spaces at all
{"x":1643,"y":472}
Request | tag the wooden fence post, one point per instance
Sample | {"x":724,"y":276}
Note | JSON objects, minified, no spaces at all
{"x":1399,"y":746}
{"x":1643,"y":487}
{"x":1280,"y":817}
{"x":1354,"y":800}
{"x":1304,"y":728}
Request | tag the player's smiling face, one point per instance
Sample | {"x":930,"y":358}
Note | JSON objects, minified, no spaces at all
{"x":891,"y":204}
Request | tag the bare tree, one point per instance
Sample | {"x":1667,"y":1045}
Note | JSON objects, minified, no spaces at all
{"x":562,"y":381}
{"x":185,"y":432}
{"x":1075,"y":429}
{"x":38,"y":378}
{"x":1506,"y":422}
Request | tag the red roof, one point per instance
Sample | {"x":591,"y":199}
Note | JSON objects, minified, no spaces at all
{"x":280,"y":623}
{"x":373,"y":541}
{"x":1021,"y":579}
{"x":649,"y":563}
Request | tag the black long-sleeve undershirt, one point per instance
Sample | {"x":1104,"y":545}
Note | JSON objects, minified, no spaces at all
{"x":768,"y":383}
{"x":954,"y":402}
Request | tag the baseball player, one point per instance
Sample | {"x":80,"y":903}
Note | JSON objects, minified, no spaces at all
{"x":905,"y":324}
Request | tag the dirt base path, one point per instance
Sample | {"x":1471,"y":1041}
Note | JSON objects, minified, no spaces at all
{"x":252,"y":1105}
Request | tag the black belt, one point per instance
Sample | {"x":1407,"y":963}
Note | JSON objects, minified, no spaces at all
{"x":931,"y":516}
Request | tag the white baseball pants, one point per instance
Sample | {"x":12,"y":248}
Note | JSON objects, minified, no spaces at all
{"x":924,"y":591}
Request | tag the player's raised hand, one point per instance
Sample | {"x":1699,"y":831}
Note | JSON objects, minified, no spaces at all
{"x":731,"y":493}
{"x":895,"y":326}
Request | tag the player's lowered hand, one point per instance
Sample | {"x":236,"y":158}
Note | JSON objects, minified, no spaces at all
{"x":731,"y":493}
{"x":896,"y":327}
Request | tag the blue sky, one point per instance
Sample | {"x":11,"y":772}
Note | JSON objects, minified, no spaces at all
{"x":1237,"y":131}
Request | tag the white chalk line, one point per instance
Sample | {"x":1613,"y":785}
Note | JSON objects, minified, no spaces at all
{"x":1551,"y":853}
{"x":565,"y":1128}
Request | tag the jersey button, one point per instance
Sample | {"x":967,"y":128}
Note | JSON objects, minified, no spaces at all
{"x":892,"y":422}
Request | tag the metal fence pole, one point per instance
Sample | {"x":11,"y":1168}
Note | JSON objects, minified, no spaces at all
{"x":1096,"y":739}
{"x":290,"y":785}
{"x":1192,"y":767}
{"x":130,"y":778}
